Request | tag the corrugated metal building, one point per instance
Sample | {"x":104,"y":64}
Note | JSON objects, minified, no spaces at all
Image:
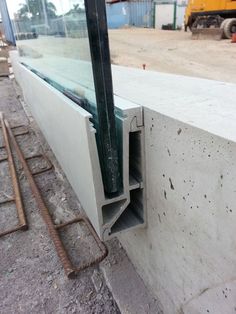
{"x":138,"y":13}
{"x":141,"y":13}
{"x":118,"y":14}
{"x":7,"y":26}
{"x":146,"y":13}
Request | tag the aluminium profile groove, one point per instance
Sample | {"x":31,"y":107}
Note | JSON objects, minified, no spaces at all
{"x":82,"y":168}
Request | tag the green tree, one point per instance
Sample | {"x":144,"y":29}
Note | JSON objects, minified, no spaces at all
{"x":76,"y":9}
{"x":35,"y":10}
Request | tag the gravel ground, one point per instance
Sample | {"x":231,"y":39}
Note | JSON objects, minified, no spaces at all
{"x":32,"y":279}
{"x":174,"y":52}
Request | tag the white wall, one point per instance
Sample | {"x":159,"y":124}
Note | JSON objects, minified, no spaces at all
{"x":180,"y":16}
{"x":189,"y":245}
{"x":164,"y":14}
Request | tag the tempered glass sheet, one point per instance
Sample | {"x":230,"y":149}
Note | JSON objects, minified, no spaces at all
{"x":65,"y":42}
{"x":52,"y":38}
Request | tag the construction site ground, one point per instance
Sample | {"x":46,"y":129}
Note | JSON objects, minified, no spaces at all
{"x":32,"y":279}
{"x":174,"y":52}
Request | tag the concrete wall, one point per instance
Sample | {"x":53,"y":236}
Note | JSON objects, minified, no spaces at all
{"x":189,"y":245}
{"x":164,"y":14}
{"x":187,"y":254}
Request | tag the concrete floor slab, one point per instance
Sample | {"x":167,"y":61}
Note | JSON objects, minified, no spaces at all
{"x":32,"y":279}
{"x":216,"y":300}
{"x":206,"y":104}
{"x":128,"y":289}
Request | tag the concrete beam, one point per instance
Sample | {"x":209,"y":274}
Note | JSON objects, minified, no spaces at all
{"x":188,"y":248}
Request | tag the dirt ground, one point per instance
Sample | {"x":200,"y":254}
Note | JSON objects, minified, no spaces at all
{"x":174,"y":52}
{"x":32,"y":279}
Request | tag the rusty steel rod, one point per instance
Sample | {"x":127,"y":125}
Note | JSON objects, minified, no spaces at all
{"x":53,"y":230}
{"x":36,"y":173}
{"x":41,"y":171}
{"x":4,"y":233}
{"x":100,"y":244}
{"x":22,"y":133}
{"x":15,"y":126}
{"x":22,"y":225}
{"x":62,"y":254}
{"x":9,"y":200}
{"x":3,"y":159}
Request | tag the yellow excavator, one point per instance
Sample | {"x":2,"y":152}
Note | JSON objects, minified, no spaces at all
{"x":217,"y":17}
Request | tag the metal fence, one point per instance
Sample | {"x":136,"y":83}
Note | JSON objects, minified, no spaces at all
{"x":63,"y":26}
{"x":141,"y":13}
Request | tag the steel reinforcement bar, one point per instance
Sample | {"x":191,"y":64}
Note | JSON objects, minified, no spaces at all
{"x":22,"y":225}
{"x":53,"y":230}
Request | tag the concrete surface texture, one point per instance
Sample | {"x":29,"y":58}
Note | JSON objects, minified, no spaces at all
{"x":188,"y":248}
{"x":173,"y":52}
{"x":126,"y":286}
{"x":215,"y":300}
{"x":206,"y":104}
{"x":32,"y":279}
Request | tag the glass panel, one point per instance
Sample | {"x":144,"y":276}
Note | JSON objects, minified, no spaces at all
{"x":52,"y":39}
{"x":57,"y":43}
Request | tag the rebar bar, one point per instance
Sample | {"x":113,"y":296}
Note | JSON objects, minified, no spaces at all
{"x":15,"y":183}
{"x":100,"y":244}
{"x":69,"y":269}
{"x":43,"y":156}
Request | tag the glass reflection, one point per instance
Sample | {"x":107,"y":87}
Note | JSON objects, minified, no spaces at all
{"x":53,"y":42}
{"x":52,"y":39}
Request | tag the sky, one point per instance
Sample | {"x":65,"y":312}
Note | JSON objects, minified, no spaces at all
{"x":61,"y":5}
